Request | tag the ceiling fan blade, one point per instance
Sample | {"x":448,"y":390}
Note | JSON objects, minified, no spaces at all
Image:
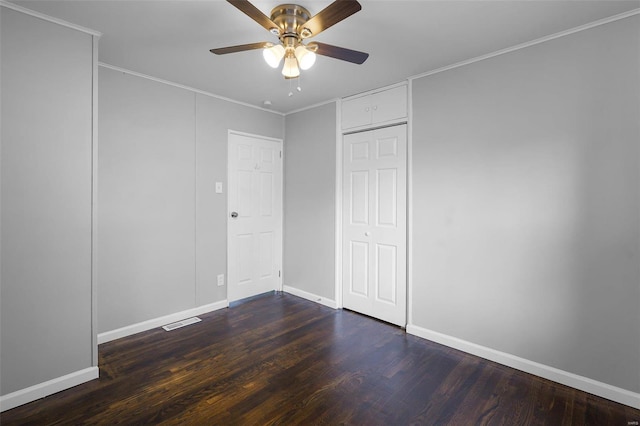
{"x":331,"y":15}
{"x":336,"y":52}
{"x":254,"y":13}
{"x":240,"y":48}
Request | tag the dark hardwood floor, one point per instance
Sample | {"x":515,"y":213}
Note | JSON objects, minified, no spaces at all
{"x":279,"y":359}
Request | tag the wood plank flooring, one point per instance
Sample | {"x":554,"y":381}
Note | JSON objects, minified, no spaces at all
{"x":279,"y":359}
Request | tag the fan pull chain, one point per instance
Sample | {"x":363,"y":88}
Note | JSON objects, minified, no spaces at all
{"x":298,"y":86}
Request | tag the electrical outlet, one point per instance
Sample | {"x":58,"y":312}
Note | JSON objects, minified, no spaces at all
{"x":220,"y":280}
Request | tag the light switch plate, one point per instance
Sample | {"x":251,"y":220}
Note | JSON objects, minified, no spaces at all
{"x":218,"y":187}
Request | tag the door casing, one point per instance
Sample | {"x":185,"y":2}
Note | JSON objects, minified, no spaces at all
{"x":278,"y":237}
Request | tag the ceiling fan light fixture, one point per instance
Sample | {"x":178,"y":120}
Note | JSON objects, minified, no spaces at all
{"x":290,"y":68}
{"x":292,"y":24}
{"x":273,"y":55}
{"x":306,"y":58}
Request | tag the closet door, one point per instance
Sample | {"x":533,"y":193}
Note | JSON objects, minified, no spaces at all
{"x":374,"y":223}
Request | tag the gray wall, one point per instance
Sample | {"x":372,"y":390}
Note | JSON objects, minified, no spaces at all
{"x":526,"y":203}
{"x":45,"y":299}
{"x":161,"y":226}
{"x":309,"y":206}
{"x":146,"y":200}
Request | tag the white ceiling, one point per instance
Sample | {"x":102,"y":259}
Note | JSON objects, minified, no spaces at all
{"x":171,"y":40}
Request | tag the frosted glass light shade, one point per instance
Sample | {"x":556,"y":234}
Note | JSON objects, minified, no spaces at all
{"x":273,"y":55}
{"x":290,"y":68}
{"x":306,"y":58}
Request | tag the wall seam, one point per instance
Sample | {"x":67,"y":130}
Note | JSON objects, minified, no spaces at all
{"x":338,"y":206}
{"x":409,"y":242}
{"x":94,"y":202}
{"x":195,"y":199}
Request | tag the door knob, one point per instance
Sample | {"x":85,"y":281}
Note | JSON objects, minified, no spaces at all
{"x":234,"y":214}
{"x":366,"y":234}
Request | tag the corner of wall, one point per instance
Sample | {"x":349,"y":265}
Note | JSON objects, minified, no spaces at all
{"x":310,"y":296}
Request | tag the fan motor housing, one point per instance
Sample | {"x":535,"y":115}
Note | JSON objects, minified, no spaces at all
{"x":289,"y":17}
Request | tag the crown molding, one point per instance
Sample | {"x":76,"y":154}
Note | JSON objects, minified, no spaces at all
{"x":319,"y":104}
{"x":181,"y":86}
{"x":530,"y":43}
{"x":48,"y":18}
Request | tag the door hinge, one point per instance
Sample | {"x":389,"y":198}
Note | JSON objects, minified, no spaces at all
{"x":280,"y":154}
{"x":279,"y":273}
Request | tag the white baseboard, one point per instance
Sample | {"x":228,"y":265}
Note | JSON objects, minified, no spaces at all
{"x":585,"y":384}
{"x":118,"y":333}
{"x":32,"y":393}
{"x":310,"y":296}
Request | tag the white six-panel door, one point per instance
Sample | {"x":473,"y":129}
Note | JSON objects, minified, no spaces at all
{"x":374,"y":223}
{"x":254,"y":252}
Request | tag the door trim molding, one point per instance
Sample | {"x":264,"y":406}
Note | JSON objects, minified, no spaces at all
{"x":281,"y":206}
{"x":338,"y":213}
{"x":252,"y":135}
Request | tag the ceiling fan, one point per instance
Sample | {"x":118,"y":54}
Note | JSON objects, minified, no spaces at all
{"x":293,"y":24}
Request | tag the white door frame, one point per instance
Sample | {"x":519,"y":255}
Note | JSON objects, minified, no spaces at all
{"x":281,"y":206}
{"x":338,"y":213}
{"x":338,"y":203}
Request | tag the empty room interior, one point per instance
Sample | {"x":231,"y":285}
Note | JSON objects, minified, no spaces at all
{"x":327,"y":212}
